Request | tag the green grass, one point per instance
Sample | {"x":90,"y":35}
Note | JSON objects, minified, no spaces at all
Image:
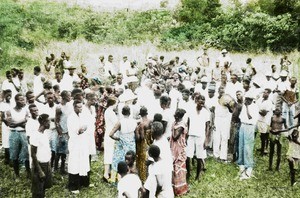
{"x":220,"y":180}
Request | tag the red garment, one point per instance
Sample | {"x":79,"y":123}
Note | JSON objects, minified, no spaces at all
{"x":180,"y":185}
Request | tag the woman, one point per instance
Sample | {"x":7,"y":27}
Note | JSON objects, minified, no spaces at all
{"x":143,"y":141}
{"x":126,"y":139}
{"x":178,"y":145}
{"x":111,"y":120}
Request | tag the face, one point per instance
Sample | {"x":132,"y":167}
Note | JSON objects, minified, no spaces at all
{"x":47,"y":124}
{"x":245,"y":85}
{"x":7,"y":97}
{"x":204,"y":85}
{"x":266,"y":94}
{"x":50,"y":98}
{"x":293,"y":81}
{"x":223,"y":78}
{"x":93,"y":100}
{"x":78,"y":108}
{"x":233,"y":79}
{"x":277,"y":112}
{"x":248,"y":101}
{"x":110,"y":59}
{"x":119,"y":80}
{"x":239,"y":96}
{"x":125,"y":59}
{"x":268,"y":78}
{"x":211,"y":94}
{"x":20,"y":102}
{"x":68,"y":97}
{"x":129,"y":160}
{"x":185,"y":96}
{"x":30,"y":98}
{"x":58,"y":76}
{"x":34,"y":112}
{"x":9,"y":76}
{"x":21,"y":75}
{"x":200,"y":103}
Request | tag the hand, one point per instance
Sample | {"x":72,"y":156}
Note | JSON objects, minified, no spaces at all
{"x":42,"y":176}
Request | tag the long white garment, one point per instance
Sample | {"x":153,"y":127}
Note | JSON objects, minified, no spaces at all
{"x":90,"y":116}
{"x":5,"y":129}
{"x":111,"y":120}
{"x":78,"y":162}
{"x":221,"y":134}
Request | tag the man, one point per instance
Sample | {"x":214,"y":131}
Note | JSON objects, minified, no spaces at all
{"x":110,"y":69}
{"x":224,"y":58}
{"x":41,"y":154}
{"x":8,"y":83}
{"x":78,"y":163}
{"x":32,"y":124}
{"x":38,"y":80}
{"x":223,"y":113}
{"x":248,"y":117}
{"x":265,"y":106}
{"x":199,"y":120}
{"x":69,"y":78}
{"x":124,"y":66}
{"x":18,"y":146}
{"x":22,"y":82}
{"x":235,"y":126}
{"x":50,"y":109}
{"x":61,"y":115}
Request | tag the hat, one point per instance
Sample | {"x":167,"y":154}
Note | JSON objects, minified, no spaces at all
{"x":204,"y":79}
{"x":127,"y":96}
{"x":224,"y":51}
{"x":268,"y":73}
{"x":250,"y":94}
{"x":283,"y":73}
{"x":143,"y":111}
{"x":71,"y":67}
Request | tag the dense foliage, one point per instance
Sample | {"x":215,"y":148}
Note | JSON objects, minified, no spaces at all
{"x":263,"y":25}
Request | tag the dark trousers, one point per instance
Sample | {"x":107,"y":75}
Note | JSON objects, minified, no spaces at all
{"x":77,"y":181}
{"x":38,"y":186}
{"x":272,"y":149}
{"x":264,"y":138}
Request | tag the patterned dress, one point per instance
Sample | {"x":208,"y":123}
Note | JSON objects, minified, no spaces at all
{"x":126,"y":142}
{"x":179,"y":157}
{"x":142,"y":148}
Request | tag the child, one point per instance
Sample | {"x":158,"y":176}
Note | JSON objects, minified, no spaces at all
{"x":129,"y":184}
{"x":130,"y":161}
{"x":293,"y":154}
{"x":277,"y":123}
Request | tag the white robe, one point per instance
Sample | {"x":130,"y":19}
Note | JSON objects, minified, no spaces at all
{"x":90,"y":116}
{"x":78,"y":162}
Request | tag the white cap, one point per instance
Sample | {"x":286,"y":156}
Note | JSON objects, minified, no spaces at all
{"x":204,"y":79}
{"x":224,"y":51}
{"x":283,"y":73}
{"x":249,"y":94}
{"x":127,"y":96}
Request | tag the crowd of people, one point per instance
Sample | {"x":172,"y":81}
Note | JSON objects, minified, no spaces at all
{"x":150,"y":122}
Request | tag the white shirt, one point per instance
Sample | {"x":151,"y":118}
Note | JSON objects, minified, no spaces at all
{"x":31,"y":126}
{"x":265,"y":105}
{"x":253,"y":111}
{"x":198,"y":122}
{"x":41,"y":141}
{"x":158,"y":169}
{"x":131,"y":184}
{"x":38,"y":84}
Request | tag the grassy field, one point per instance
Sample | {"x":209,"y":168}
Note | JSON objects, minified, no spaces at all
{"x":220,"y":180}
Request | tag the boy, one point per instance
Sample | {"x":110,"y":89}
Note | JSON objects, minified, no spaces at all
{"x":129,"y":184}
{"x":277,"y":123}
{"x":293,"y":154}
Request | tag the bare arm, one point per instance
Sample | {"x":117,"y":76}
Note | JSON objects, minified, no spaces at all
{"x":36,"y":163}
{"x":57,"y":120}
{"x":114,"y":130}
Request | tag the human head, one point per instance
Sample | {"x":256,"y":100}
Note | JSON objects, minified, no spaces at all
{"x":130,"y":158}
{"x":20,"y":100}
{"x":164,"y":102}
{"x":157,"y":117}
{"x":246,"y":84}
{"x":21,"y":74}
{"x":200,"y":101}
{"x":179,"y":113}
{"x":30,"y":97}
{"x":266,"y":93}
{"x":91,"y":98}
{"x":157,"y":130}
{"x":223,"y":79}
{"x":65,"y":96}
{"x":126,"y":110}
{"x":122,"y":168}
{"x":44,"y":121}
{"x":277,"y":112}
{"x":154,"y":152}
{"x":143,"y":111}
{"x":8,"y":75}
{"x":34,"y":111}
{"x":110,"y":58}
{"x":239,"y":95}
{"x":6,"y":95}
{"x":111,"y":101}
{"x":234,"y":78}
{"x":77,"y":104}
{"x":36,"y":70}
{"x":185,"y":94}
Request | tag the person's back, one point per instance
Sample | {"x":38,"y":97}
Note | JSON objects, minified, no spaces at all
{"x":130,"y":184}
